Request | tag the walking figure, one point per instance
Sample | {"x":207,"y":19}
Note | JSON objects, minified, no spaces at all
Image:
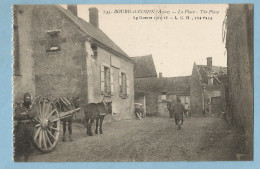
{"x":178,"y":109}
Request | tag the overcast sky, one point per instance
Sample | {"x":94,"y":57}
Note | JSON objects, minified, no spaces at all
{"x":174,"y":44}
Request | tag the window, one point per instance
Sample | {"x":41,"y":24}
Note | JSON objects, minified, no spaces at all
{"x":123,"y":85}
{"x":107,"y":87}
{"x":94,"y":50}
{"x":53,"y":41}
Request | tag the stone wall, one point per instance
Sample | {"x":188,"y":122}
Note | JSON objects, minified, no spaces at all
{"x":63,"y":72}
{"x":122,"y":107}
{"x":239,"y":45}
{"x":23,"y":79}
{"x":196,"y":100}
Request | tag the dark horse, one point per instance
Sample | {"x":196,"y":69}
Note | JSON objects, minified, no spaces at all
{"x":96,"y":111}
{"x":64,"y":104}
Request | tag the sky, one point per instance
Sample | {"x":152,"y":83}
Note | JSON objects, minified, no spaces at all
{"x":174,"y":44}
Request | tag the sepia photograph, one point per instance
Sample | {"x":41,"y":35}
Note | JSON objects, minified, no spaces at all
{"x":133,"y":82}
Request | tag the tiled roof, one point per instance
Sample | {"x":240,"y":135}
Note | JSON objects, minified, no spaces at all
{"x":144,"y":67}
{"x":167,"y":85}
{"x":93,"y":32}
{"x":219,"y":73}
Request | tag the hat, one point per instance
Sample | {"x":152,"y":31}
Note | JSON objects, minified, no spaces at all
{"x":27,"y":96}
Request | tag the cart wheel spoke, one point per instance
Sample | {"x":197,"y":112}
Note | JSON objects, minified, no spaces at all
{"x":43,"y":107}
{"x":40,"y":139}
{"x":56,"y":129}
{"x":57,"y":119}
{"x":51,"y":135}
{"x":47,"y":110}
{"x":38,"y":111}
{"x":38,"y":123}
{"x":47,"y":138}
{"x":44,"y":140}
{"x":37,"y":133}
{"x":53,"y":111}
{"x":37,"y":120}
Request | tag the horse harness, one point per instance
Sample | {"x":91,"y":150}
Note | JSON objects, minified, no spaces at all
{"x":106,"y":107}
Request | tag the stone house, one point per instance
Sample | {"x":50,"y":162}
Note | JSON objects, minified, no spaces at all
{"x":240,"y":60}
{"x":144,"y":68}
{"x":59,"y":54}
{"x":207,"y":89}
{"x":154,"y":92}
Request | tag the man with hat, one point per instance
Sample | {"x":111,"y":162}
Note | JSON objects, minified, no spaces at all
{"x":23,"y":128}
{"x":178,"y":110}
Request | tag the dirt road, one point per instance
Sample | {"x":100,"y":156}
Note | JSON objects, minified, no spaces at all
{"x":150,"y":139}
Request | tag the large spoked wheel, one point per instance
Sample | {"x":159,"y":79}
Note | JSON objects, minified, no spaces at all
{"x":47,"y":125}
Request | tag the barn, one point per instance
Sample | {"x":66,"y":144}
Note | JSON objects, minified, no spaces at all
{"x":154,"y":92}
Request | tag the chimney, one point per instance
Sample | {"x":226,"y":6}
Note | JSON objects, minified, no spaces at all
{"x":160,"y":75}
{"x":73,"y":9}
{"x":93,"y":17}
{"x":209,"y":63}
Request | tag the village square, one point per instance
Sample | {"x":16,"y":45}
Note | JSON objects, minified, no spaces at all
{"x":79,"y":97}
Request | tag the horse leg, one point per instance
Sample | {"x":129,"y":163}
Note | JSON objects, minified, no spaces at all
{"x":64,"y":131}
{"x":90,"y":126}
{"x":87,"y":124}
{"x":96,"y":131}
{"x":182,"y":119}
{"x":101,"y":122}
{"x":70,"y":129}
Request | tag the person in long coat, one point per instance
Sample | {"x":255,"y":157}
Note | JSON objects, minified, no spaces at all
{"x":178,"y":109}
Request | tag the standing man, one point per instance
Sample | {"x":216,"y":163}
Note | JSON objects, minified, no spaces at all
{"x":186,"y":109}
{"x":23,"y":128}
{"x":178,"y":110}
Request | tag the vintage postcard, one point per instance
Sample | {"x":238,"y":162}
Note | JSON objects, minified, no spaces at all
{"x":154,"y":82}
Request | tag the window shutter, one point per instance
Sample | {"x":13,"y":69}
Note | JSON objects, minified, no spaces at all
{"x":102,"y":78}
{"x":119,"y":81}
{"x":111,"y":80}
{"x":127,"y":86}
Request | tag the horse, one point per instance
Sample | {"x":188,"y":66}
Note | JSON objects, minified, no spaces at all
{"x":96,"y":111}
{"x":64,"y":104}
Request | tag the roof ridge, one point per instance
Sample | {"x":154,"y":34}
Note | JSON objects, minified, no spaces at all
{"x":95,"y":33}
{"x":150,"y":55}
{"x":213,"y":66}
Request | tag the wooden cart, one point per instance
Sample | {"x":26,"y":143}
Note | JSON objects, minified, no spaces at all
{"x":47,"y":123}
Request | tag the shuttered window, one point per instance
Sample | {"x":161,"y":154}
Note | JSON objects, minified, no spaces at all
{"x":123,"y":84}
{"x":111,"y":81}
{"x":127,"y":86}
{"x":107,"y":82}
